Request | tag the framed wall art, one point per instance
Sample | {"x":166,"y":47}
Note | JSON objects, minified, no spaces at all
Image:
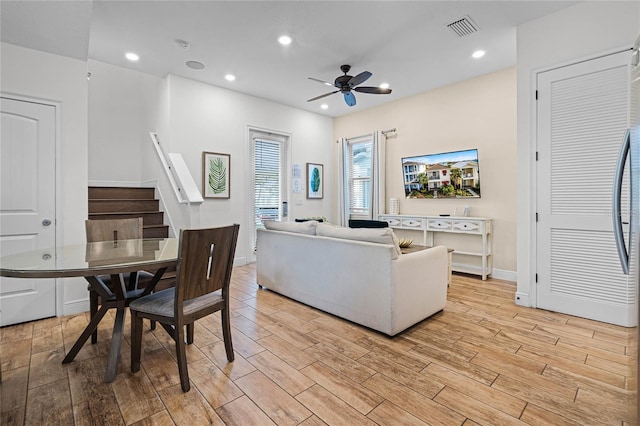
{"x":216,"y":175}
{"x":315,"y":180}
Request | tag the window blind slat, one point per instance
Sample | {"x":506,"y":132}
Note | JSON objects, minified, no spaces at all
{"x":360,"y":174}
{"x":267,"y":171}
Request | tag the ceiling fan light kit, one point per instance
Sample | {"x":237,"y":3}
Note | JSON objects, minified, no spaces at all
{"x":347,"y":85}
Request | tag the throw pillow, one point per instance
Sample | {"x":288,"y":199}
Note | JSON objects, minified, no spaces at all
{"x":372,"y":235}
{"x":308,"y":228}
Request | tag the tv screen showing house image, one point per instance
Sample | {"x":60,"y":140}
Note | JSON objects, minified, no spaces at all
{"x":445,"y":175}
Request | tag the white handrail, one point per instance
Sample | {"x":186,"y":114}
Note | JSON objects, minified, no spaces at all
{"x":189,"y":188}
{"x":182,"y":182}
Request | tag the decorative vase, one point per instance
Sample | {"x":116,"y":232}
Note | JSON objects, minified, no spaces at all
{"x":394,"y":206}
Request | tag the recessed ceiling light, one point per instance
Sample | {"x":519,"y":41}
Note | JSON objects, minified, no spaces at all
{"x":384,"y":86}
{"x":478,"y":54}
{"x":132,"y":56}
{"x":230,"y":77}
{"x":324,"y":106}
{"x":195,"y":65}
{"x":284,"y":40}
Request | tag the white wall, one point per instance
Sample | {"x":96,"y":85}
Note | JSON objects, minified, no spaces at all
{"x":576,"y":33}
{"x":122,"y":104}
{"x":213,"y":119}
{"x":52,"y":78}
{"x":476,"y":113}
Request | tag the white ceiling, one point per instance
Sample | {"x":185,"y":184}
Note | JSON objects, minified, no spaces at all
{"x":404,"y":43}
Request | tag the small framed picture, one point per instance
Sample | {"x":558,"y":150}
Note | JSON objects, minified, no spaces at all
{"x":315,"y":180}
{"x":216,"y":175}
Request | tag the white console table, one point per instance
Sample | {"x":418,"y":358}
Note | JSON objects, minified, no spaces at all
{"x":470,"y":227}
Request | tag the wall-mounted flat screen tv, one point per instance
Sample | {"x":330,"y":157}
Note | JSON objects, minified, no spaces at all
{"x":445,"y":175}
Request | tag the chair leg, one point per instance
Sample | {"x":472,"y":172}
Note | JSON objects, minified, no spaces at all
{"x":136,"y":341}
{"x":93,"y":309}
{"x":190,"y":333}
{"x":226,"y":334}
{"x":181,"y":354}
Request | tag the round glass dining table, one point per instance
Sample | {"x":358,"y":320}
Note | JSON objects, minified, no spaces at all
{"x":92,"y":261}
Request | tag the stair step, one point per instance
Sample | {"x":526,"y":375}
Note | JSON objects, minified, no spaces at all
{"x":130,"y":205}
{"x":128,"y":202}
{"x":148,"y":218}
{"x":155,"y":231}
{"x":110,"y":192}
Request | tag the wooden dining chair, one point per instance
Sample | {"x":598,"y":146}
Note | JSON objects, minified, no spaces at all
{"x":114,"y":230}
{"x":205,"y":261}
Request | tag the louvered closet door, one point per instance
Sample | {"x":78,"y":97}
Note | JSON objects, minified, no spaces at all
{"x":582,"y":119}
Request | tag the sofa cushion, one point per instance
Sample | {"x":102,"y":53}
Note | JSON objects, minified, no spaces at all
{"x":372,"y":235}
{"x":308,"y":227}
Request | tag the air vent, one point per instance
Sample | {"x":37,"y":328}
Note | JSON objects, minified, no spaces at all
{"x":463,"y":27}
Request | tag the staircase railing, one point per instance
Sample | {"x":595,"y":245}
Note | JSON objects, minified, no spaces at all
{"x":187,"y":195}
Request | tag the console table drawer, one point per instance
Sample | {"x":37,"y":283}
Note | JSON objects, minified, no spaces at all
{"x":439,"y":224}
{"x":468,"y":226}
{"x":412,"y":223}
{"x":393,"y":222}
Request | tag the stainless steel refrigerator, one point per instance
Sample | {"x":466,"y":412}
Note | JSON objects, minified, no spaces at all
{"x":626,"y":215}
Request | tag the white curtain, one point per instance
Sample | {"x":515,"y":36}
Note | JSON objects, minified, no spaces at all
{"x":378,"y":175}
{"x":343,"y":191}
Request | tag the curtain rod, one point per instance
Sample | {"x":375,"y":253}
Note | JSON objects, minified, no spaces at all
{"x":384,"y":132}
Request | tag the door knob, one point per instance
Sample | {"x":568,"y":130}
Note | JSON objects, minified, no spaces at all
{"x":46,"y":222}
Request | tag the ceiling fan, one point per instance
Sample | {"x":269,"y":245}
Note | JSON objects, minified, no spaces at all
{"x":346,"y":83}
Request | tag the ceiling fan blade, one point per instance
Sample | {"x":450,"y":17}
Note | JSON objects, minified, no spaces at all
{"x":349,"y":98}
{"x":321,"y":81}
{"x":322,"y":96}
{"x":371,"y":89}
{"x":359,"y":79}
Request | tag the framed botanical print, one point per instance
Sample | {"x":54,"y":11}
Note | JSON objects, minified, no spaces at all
{"x":216,"y":175}
{"x":315,"y":180}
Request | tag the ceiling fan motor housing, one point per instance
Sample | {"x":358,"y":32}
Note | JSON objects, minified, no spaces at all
{"x":342,"y":82}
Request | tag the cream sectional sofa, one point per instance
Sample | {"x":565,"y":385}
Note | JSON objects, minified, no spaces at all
{"x":356,"y":274}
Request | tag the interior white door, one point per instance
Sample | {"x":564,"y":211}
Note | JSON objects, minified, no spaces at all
{"x":27,"y":204}
{"x":583,"y":112}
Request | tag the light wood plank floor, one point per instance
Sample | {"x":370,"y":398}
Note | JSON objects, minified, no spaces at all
{"x":483,"y":360}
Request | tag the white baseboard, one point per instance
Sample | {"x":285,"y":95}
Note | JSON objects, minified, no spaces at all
{"x":76,"y":307}
{"x":503,"y":274}
{"x":522,"y":299}
{"x":240,"y":261}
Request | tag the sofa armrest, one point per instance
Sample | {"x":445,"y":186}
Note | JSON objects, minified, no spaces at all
{"x":420,"y":282}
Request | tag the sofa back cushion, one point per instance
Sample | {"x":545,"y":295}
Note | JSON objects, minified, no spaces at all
{"x":372,"y":235}
{"x":308,"y":227}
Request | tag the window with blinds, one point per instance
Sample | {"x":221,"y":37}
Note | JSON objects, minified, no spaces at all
{"x":267,"y":173}
{"x":360,"y":178}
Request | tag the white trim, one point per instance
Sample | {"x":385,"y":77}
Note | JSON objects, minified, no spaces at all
{"x":73,"y":307}
{"x":503,"y":274}
{"x":240,"y":261}
{"x":120,"y":183}
{"x":522,"y":299}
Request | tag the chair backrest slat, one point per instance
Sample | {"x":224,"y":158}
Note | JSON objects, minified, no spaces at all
{"x":113,"y":229}
{"x":197,"y":275}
